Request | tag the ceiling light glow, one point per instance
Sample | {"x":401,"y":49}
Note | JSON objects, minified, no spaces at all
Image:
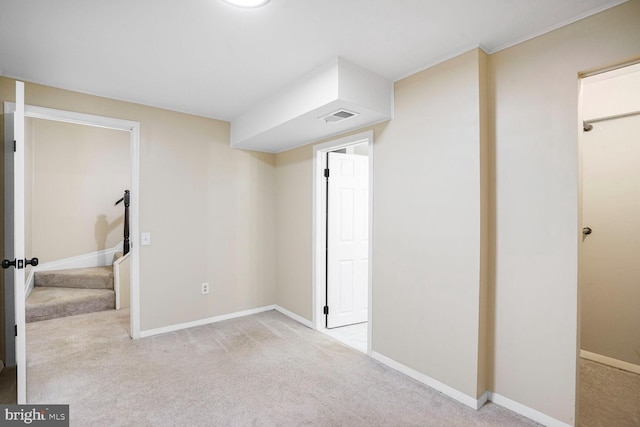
{"x":247,"y":3}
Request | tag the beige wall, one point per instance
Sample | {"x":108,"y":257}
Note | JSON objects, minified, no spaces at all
{"x":534,"y":99}
{"x":427,"y":225}
{"x":210,"y":210}
{"x":294,"y":202}
{"x":73,"y":176}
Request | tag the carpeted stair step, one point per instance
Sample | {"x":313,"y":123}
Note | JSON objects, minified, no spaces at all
{"x":46,"y":303}
{"x":85,"y":278}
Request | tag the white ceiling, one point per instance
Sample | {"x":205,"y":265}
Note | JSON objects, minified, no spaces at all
{"x":208,"y":58}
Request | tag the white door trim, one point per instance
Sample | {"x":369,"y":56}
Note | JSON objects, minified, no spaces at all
{"x":134,"y":137}
{"x":319,"y":227}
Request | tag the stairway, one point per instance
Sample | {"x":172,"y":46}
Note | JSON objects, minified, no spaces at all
{"x":62,"y":293}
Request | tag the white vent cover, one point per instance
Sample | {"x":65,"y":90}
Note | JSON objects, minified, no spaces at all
{"x":338,"y":116}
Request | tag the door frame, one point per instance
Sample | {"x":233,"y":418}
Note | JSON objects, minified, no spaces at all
{"x":134,"y":145}
{"x":319,"y":227}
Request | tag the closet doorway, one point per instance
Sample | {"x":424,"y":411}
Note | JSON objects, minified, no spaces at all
{"x":609,"y":363}
{"x":342,"y":239}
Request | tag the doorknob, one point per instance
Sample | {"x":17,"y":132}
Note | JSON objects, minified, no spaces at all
{"x":587,"y":231}
{"x":6,"y":263}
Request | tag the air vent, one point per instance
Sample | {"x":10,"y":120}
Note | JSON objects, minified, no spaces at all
{"x":338,"y":116}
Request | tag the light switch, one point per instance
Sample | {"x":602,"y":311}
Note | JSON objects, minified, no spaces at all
{"x":145,"y":239}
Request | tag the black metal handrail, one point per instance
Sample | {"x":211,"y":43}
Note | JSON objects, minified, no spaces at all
{"x":126,"y":247}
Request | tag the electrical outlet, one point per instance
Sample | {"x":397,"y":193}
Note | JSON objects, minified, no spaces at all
{"x":205,"y":288}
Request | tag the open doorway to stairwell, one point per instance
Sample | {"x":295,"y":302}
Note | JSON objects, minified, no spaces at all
{"x":71,"y":223}
{"x":342,"y":230}
{"x":73,"y":175}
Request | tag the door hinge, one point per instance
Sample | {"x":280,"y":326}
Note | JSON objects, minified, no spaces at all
{"x":15,"y":330}
{"x":14,"y":145}
{"x":326,"y":173}
{"x":326,"y":309}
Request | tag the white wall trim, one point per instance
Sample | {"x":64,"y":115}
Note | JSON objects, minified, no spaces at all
{"x":78,"y":118}
{"x":441,"y":60}
{"x":206,"y":321}
{"x":491,"y":51}
{"x":292,"y":315}
{"x":558,"y":26}
{"x":610,"y":361}
{"x":134,"y":274}
{"x":483,"y":399}
{"x":100,"y":258}
{"x":318,"y":227}
{"x":433,"y":383}
{"x":525,"y":411}
{"x":215,"y":319}
{"x":468,"y":400}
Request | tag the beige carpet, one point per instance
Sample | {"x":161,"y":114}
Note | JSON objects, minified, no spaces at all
{"x":260,"y":370}
{"x":609,"y":397}
{"x":61,"y":293}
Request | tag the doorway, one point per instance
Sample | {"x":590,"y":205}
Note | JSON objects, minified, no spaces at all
{"x":133,"y":129}
{"x":342,"y":244}
{"x":73,"y":175}
{"x":609,"y":272}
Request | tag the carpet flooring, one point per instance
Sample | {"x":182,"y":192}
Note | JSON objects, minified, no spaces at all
{"x":61,"y":293}
{"x":51,"y":303}
{"x":609,"y":397}
{"x":259,"y":370}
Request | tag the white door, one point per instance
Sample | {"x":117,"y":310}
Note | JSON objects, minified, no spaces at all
{"x":347,"y":239}
{"x":610,"y":270}
{"x":14,"y":174}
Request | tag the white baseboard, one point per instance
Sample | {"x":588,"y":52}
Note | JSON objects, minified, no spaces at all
{"x":294,"y":316}
{"x":525,"y":411}
{"x":482,"y":400}
{"x":468,"y":400}
{"x":93,"y":259}
{"x":610,"y":361}
{"x":208,"y":320}
{"x":433,"y":383}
